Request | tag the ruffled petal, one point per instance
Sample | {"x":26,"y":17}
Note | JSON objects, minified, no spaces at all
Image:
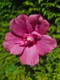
{"x":17,"y":49}
{"x":29,"y":26}
{"x":9,"y":36}
{"x":23,"y":17}
{"x":34,"y":19}
{"x":43,"y":27}
{"x":8,"y":45}
{"x":46,"y":44}
{"x":38,"y":23}
{"x":29,"y":56}
{"x":12,"y":44}
{"x":18,"y":26}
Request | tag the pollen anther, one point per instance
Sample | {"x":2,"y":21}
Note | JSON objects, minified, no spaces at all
{"x":28,"y":39}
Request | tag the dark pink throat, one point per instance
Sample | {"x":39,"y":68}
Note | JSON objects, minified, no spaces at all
{"x":31,"y":39}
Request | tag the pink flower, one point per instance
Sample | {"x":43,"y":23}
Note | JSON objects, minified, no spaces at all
{"x":27,"y":38}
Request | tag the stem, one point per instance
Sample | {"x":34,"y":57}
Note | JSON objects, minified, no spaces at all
{"x":26,"y":70}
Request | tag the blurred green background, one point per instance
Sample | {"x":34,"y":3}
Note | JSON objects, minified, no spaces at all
{"x":49,"y":66}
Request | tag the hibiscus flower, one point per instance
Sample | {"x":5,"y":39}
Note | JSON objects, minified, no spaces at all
{"x":27,"y":38}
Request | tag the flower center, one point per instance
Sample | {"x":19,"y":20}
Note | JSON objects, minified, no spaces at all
{"x":28,"y":39}
{"x":31,"y":39}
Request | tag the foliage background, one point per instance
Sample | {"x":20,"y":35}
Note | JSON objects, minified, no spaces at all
{"x":49,"y":66}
